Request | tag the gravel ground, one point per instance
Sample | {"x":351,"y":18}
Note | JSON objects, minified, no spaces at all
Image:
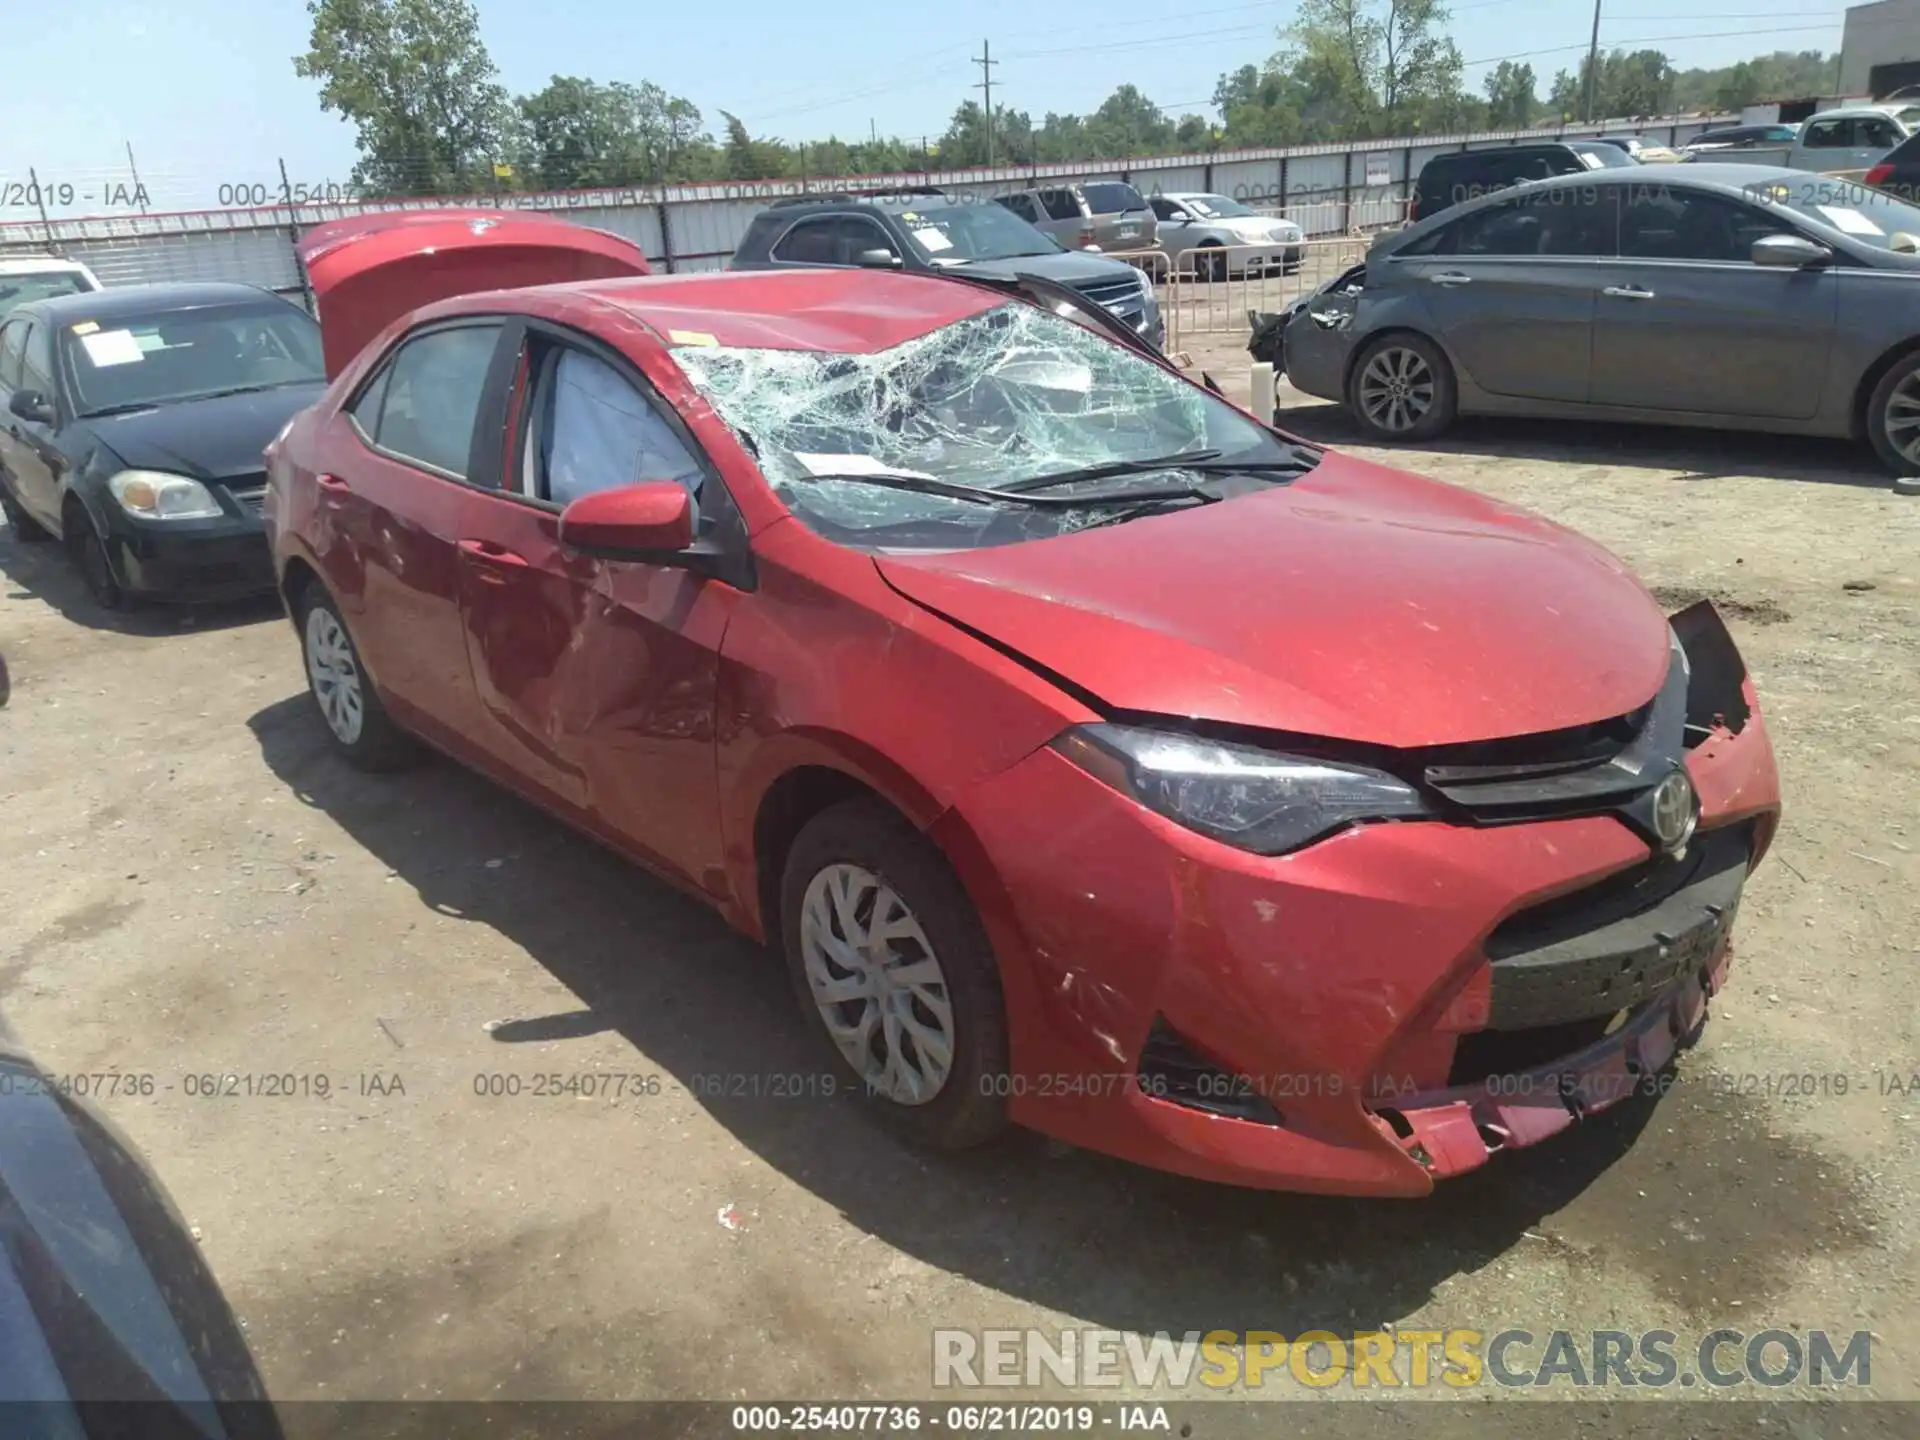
{"x":194,"y":887}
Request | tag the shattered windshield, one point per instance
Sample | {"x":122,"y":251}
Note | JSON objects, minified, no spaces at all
{"x":1012,"y":394}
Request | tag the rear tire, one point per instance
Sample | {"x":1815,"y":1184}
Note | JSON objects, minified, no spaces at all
{"x":356,"y":721}
{"x":1402,"y":389}
{"x":924,"y":1015}
{"x":26,"y":529}
{"x":1893,"y":417}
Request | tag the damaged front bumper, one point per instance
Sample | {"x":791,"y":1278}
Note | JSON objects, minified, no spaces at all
{"x":1384,"y":1009}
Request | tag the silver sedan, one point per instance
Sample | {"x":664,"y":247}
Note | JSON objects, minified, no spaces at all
{"x":1730,"y":296}
{"x":1207,"y":236}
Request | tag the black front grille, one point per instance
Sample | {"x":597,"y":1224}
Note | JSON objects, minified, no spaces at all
{"x":1615,"y":945}
{"x":249,"y":492}
{"x":1122,"y":297}
{"x":1172,"y":1070}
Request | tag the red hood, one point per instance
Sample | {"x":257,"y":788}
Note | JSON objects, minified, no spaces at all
{"x":368,"y":271}
{"x":1359,"y":603}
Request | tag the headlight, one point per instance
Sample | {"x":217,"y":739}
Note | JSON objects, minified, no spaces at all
{"x":1257,"y":800}
{"x":156,"y":495}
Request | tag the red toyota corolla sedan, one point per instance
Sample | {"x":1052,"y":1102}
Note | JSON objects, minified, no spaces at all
{"x":1098,"y":758}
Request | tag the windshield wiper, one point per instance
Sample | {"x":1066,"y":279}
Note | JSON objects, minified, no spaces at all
{"x":983,"y":495}
{"x":131,"y":407}
{"x":256,"y":389}
{"x":1205,"y":462}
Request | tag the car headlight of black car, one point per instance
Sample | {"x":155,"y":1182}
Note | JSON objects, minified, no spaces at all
{"x":1256,"y":800}
{"x":159,"y":495}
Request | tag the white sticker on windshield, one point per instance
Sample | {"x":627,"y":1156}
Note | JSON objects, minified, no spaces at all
{"x":112,"y":347}
{"x":1850,"y":221}
{"x":818,"y":463}
{"x":1590,"y":160}
{"x":930,"y":237}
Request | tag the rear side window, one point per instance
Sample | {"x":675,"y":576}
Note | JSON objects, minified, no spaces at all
{"x":1112,"y":199}
{"x":1566,"y":221}
{"x":1060,"y":204}
{"x":432,"y":393}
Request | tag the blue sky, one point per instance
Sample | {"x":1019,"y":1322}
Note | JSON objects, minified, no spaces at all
{"x":208,"y":99}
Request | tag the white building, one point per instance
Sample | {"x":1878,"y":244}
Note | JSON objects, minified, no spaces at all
{"x":1880,"y":52}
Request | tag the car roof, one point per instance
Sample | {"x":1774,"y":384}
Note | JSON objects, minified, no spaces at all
{"x":847,"y":311}
{"x":126,"y":301}
{"x":1856,"y":112}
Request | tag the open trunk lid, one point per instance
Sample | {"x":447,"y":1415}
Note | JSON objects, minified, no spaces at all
{"x":369,"y":270}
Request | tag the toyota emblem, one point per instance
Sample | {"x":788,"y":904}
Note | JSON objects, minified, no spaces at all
{"x":1674,"y":811}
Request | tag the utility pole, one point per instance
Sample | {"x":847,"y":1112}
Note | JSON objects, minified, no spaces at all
{"x":986,"y":63}
{"x":135,"y":170}
{"x":1593,"y":62}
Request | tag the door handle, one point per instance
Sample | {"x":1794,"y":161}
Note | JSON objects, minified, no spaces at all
{"x":1450,"y":279}
{"x":331,"y":482}
{"x":489,"y":553}
{"x":1627,"y":292}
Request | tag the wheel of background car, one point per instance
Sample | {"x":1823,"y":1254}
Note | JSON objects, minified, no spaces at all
{"x":1209,"y":267}
{"x":89,"y":555}
{"x":895,"y":973}
{"x":358,"y":723}
{"x":1893,"y":417}
{"x":1402,"y":388}
{"x":25,"y":528}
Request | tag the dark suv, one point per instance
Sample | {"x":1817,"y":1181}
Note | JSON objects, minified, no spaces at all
{"x":1449,"y":180}
{"x":932,"y":231}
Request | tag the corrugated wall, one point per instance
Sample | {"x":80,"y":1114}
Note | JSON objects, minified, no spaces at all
{"x":1328,"y":189}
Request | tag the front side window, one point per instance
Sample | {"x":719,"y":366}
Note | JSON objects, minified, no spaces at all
{"x":131,"y":363}
{"x":598,"y":432}
{"x":1010,"y":394}
{"x":811,"y":242}
{"x":13,"y":345}
{"x":1658,"y":222}
{"x":36,"y":366}
{"x":432,"y":397}
{"x":1876,"y":134}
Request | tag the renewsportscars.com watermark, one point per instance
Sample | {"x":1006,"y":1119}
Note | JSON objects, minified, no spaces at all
{"x":1400,"y":1359}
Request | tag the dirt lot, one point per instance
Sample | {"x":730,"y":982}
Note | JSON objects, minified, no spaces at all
{"x":194,"y":887}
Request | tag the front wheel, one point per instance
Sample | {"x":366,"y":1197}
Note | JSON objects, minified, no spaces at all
{"x":89,"y":555}
{"x":1893,"y":417}
{"x":1402,"y":388}
{"x":362,"y":730}
{"x":1209,"y":265}
{"x":896,"y":975}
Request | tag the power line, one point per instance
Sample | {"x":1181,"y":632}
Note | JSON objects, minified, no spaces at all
{"x":1648,"y":40}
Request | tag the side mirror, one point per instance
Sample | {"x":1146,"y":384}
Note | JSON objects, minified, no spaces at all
{"x":878,"y":259}
{"x":32,"y":405}
{"x":1789,"y":252}
{"x":636,"y":522}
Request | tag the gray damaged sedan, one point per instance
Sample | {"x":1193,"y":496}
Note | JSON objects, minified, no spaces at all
{"x":1727,"y":296}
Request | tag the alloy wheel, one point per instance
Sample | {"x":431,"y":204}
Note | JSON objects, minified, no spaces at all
{"x":1396,"y":389}
{"x":335,"y":675}
{"x":1902,"y":419}
{"x":878,"y":983}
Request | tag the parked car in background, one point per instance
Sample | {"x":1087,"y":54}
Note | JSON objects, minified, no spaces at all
{"x":41,"y":277}
{"x":134,"y":420}
{"x":1192,"y":224}
{"x":1846,"y":142}
{"x":1738,"y":137}
{"x":1097,"y":215}
{"x":931,"y":231}
{"x":1899,"y":173}
{"x":1463,"y":175}
{"x":1643,"y":150}
{"x":1007,"y":682}
{"x":1726,"y":295}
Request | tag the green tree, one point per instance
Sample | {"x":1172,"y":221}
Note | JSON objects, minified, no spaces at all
{"x":1511,"y":102}
{"x":1128,"y":123}
{"x":1373,"y":67}
{"x":748,"y":158}
{"x":418,"y":85}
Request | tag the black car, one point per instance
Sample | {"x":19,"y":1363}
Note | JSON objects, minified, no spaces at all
{"x":1453,"y":179}
{"x":934,"y":232}
{"x":111,"y":1324}
{"x":1899,"y":173}
{"x":133,"y":423}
